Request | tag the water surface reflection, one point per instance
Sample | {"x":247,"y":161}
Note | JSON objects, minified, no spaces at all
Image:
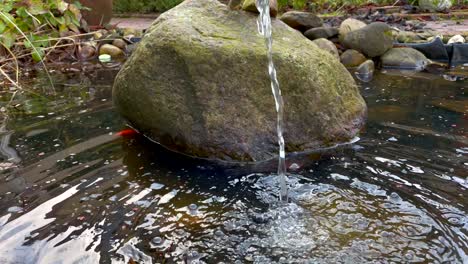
{"x":74,"y":190}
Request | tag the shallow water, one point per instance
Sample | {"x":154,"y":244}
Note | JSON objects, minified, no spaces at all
{"x":74,"y":190}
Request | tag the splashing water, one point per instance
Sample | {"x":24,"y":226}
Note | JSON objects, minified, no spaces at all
{"x":264,"y":28}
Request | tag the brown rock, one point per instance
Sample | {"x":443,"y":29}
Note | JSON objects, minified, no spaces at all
{"x":111,"y":50}
{"x":352,"y":58}
{"x":120,"y":43}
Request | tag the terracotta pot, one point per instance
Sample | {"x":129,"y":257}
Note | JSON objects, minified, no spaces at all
{"x":100,"y":13}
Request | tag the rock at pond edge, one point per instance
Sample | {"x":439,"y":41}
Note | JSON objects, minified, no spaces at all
{"x":200,"y":86}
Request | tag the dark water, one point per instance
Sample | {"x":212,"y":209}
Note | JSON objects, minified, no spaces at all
{"x":74,"y":190}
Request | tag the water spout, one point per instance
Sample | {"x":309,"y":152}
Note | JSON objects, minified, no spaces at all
{"x":265,"y":29}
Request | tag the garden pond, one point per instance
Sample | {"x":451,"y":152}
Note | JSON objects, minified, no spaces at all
{"x":78,"y":186}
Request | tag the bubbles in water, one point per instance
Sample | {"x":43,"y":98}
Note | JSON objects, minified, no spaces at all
{"x":157,"y":241}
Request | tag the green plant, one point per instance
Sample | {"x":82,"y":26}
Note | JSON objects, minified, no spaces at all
{"x":299,"y":4}
{"x":31,"y":24}
{"x":144,"y":6}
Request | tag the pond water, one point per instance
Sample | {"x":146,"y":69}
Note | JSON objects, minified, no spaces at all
{"x":77,"y":187}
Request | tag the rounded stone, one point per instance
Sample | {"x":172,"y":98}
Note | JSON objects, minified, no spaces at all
{"x":200,"y":86}
{"x":365,"y":71}
{"x":321,"y":32}
{"x":120,"y":43}
{"x":352,"y":58}
{"x":404,"y":58}
{"x":349,"y":25}
{"x":112,"y":50}
{"x":301,"y":20}
{"x":372,"y":40}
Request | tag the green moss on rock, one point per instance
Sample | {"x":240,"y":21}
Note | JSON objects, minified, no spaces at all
{"x":198,"y":84}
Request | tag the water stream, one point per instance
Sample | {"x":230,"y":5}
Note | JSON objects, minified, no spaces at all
{"x":264,"y":28}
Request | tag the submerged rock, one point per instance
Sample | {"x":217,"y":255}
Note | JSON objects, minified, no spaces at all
{"x":301,"y":20}
{"x":365,"y":71}
{"x":327,"y":45}
{"x":349,"y":25}
{"x":352,"y":58}
{"x":200,"y":86}
{"x":321,"y":32}
{"x":404,"y":58}
{"x":372,"y":40}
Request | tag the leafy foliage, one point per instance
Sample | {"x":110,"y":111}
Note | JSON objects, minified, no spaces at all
{"x":144,"y":6}
{"x":31,"y":23}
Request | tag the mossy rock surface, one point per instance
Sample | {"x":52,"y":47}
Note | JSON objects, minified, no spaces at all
{"x":198,"y":84}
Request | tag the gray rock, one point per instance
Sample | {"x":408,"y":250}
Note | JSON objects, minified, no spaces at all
{"x":435,"y":5}
{"x":365,"y":71}
{"x":321,"y":32}
{"x":328,"y":46}
{"x":372,"y":40}
{"x":250,"y":6}
{"x":352,"y":58}
{"x":404,"y":58}
{"x":301,"y":20}
{"x":209,"y":95}
{"x":349,"y":25}
{"x":111,"y":50}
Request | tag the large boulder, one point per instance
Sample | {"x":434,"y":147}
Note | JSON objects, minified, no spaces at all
{"x":372,"y":40}
{"x":404,"y":58}
{"x":301,"y":20}
{"x":198,"y":84}
{"x":349,"y":25}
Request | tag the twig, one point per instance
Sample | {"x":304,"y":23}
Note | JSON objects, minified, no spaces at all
{"x":15,"y":59}
{"x":29,"y":54}
{"x":9,"y":79}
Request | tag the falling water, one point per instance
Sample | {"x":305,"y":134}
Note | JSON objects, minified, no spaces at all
{"x":264,"y":28}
